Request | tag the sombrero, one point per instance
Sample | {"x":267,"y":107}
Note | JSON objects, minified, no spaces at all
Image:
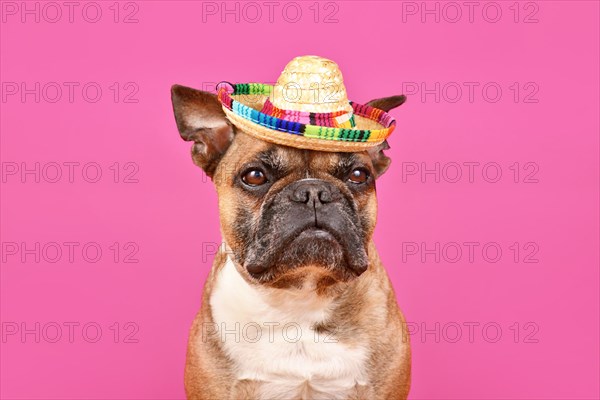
{"x":307,"y":108}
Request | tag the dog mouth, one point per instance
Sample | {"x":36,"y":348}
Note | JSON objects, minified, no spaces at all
{"x":292,"y":249}
{"x":316,"y":233}
{"x":316,"y":246}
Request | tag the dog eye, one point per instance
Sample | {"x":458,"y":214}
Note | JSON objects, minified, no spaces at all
{"x":359,"y":175}
{"x":254,"y":177}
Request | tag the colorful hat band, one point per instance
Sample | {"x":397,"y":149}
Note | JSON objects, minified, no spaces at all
{"x":227,"y":91}
{"x":340,"y":119}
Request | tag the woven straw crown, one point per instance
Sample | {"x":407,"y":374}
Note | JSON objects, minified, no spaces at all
{"x":307,"y":108}
{"x":312,"y":84}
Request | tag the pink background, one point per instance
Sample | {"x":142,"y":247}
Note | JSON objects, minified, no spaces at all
{"x":171,"y":212}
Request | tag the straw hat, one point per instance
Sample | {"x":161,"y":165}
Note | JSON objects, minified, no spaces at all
{"x":307,"y":108}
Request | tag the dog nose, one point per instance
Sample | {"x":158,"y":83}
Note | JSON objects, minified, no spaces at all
{"x":314,"y":191}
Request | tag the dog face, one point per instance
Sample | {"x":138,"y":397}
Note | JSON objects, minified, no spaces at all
{"x":286,"y":213}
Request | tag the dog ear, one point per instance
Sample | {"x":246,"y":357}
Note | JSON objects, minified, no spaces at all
{"x":388,"y":103}
{"x":201,"y":119}
{"x":381,"y":162}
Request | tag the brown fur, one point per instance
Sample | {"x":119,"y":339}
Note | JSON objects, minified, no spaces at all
{"x":364,"y":311}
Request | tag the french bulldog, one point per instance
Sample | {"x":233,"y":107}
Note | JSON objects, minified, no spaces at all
{"x":297,"y":304}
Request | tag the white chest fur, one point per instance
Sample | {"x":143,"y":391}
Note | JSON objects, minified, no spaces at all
{"x":269,"y":335}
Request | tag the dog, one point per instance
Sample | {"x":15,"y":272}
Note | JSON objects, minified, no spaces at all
{"x":297,"y":304}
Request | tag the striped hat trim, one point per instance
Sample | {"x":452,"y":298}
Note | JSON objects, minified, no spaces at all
{"x":226,"y":93}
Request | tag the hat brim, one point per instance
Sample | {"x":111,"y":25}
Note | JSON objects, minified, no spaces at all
{"x":243,"y":108}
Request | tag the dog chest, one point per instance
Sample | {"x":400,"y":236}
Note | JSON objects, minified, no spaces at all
{"x":271,"y":340}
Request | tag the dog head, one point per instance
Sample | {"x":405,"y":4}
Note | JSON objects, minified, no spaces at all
{"x":286,"y":213}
